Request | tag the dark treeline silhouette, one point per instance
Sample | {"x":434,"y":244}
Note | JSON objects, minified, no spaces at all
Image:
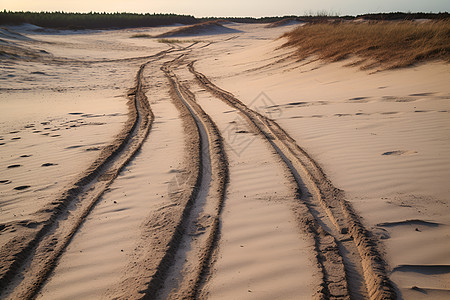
{"x":247,"y":19}
{"x":63,"y":20}
{"x":406,"y":16}
{"x":322,"y":17}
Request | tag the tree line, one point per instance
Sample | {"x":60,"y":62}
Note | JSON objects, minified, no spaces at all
{"x":95,"y":20}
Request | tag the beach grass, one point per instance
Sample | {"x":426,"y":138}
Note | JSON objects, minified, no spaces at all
{"x":387,"y":44}
{"x":141,"y":35}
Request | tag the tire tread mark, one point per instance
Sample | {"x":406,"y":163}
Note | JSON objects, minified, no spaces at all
{"x":16,"y":253}
{"x":219,"y":169}
{"x":340,"y":211}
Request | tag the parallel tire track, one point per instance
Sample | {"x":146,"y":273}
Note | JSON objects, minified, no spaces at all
{"x":332,"y":202}
{"x":191,"y":286}
{"x":35,"y":253}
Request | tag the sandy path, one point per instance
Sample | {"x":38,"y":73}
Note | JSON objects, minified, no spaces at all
{"x":381,"y":137}
{"x":261,"y":253}
{"x":339,"y":226}
{"x":231,"y":198}
{"x":106,"y":242}
{"x":62,"y":218}
{"x":202,"y":222}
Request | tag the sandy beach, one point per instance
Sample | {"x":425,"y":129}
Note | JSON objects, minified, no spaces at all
{"x":211,"y":163}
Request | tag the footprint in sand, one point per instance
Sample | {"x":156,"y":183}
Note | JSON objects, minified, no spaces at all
{"x":293,"y":104}
{"x":400,"y":152}
{"x":48,"y":165}
{"x":13,"y":132}
{"x":26,"y":155}
{"x":14,"y":166}
{"x":74,"y":147}
{"x":5,"y":181}
{"x":16,"y":138}
{"x":1,"y":144}
{"x":421,"y":94}
{"x":22,"y":187}
{"x":358,"y":98}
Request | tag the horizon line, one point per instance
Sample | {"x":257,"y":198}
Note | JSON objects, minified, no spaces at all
{"x":315,"y":14}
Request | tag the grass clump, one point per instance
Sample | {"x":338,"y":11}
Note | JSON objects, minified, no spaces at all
{"x":141,"y":35}
{"x":386,"y":44}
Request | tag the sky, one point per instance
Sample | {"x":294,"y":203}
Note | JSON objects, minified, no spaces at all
{"x":230,"y":8}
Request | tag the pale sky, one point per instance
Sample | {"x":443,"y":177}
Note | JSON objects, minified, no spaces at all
{"x":230,"y":8}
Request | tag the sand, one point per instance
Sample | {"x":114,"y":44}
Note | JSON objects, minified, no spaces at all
{"x":209,"y":206}
{"x":381,"y":137}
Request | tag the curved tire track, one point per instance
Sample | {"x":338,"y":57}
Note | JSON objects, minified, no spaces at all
{"x":28,"y":259}
{"x":210,"y":144}
{"x":329,"y":199}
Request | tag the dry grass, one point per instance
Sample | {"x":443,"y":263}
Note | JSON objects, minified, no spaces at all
{"x":141,"y":35}
{"x":386,"y":44}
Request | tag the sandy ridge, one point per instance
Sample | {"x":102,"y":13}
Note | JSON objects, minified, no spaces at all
{"x":338,"y":209}
{"x":51,"y":236}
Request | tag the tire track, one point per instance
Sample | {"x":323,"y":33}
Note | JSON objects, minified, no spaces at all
{"x":28,"y":259}
{"x":261,"y":244}
{"x":334,"y":242}
{"x":206,"y":201}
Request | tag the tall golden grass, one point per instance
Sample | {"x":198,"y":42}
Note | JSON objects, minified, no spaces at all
{"x":385,"y":44}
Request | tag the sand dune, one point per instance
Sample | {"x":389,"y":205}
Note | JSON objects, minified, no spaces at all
{"x":285,"y":22}
{"x":207,"y":28}
{"x":6,"y":33}
{"x":223,"y":169}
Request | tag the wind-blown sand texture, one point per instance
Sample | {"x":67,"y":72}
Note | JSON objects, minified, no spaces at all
{"x":220,"y":168}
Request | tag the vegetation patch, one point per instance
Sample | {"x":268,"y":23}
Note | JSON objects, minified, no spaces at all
{"x":175,"y":41}
{"x":141,"y":35}
{"x":391,"y":44}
